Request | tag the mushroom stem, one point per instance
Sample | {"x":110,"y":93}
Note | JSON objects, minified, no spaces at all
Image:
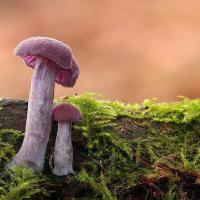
{"x":38,"y":124}
{"x":63,"y":150}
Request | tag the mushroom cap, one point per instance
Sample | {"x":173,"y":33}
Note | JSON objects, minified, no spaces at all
{"x":55,"y":51}
{"x":66,"y":112}
{"x":68,"y":77}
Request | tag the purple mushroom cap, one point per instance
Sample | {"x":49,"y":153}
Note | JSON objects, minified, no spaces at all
{"x":68,"y":77}
{"x":66,"y":112}
{"x":55,"y":51}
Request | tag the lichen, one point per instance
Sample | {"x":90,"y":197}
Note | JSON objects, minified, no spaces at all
{"x":144,"y":151}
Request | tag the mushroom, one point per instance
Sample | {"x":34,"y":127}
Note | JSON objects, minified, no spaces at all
{"x":52,"y":61}
{"x":65,"y":114}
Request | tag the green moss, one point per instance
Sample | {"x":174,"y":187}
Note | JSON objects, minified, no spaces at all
{"x":128,"y":150}
{"x":100,"y":187}
{"x":21,"y":183}
{"x":183,"y":111}
{"x":9,"y":143}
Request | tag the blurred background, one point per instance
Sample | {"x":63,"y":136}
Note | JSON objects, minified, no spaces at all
{"x":128,"y":50}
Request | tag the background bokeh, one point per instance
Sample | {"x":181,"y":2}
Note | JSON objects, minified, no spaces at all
{"x":128,"y":50}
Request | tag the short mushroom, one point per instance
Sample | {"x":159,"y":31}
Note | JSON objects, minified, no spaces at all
{"x":52,"y":61}
{"x":65,"y":114}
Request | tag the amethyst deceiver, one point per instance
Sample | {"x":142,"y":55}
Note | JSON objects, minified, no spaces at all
{"x":48,"y":58}
{"x":65,"y":114}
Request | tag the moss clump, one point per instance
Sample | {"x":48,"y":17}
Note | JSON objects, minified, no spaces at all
{"x":9,"y":143}
{"x":147,"y":151}
{"x":184,"y":111}
{"x":22,"y":183}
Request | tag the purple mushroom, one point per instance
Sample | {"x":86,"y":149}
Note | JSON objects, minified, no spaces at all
{"x":65,"y":114}
{"x":52,"y":61}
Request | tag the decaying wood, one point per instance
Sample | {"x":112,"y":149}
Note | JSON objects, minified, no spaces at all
{"x":13,"y":114}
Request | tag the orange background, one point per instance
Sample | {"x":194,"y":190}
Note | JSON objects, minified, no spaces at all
{"x":128,"y":50}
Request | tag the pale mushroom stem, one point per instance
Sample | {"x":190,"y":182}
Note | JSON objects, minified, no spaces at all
{"x":63,"y":150}
{"x":38,"y":124}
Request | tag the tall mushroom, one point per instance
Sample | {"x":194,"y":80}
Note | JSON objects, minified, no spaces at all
{"x":51,"y":61}
{"x":65,"y":114}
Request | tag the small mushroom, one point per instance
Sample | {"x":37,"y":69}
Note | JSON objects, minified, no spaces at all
{"x":52,"y":61}
{"x":65,"y":114}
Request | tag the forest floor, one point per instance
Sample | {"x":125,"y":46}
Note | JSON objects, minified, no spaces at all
{"x":148,"y":151}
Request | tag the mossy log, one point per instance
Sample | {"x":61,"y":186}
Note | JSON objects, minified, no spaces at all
{"x":13,"y":116}
{"x":149,"y":151}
